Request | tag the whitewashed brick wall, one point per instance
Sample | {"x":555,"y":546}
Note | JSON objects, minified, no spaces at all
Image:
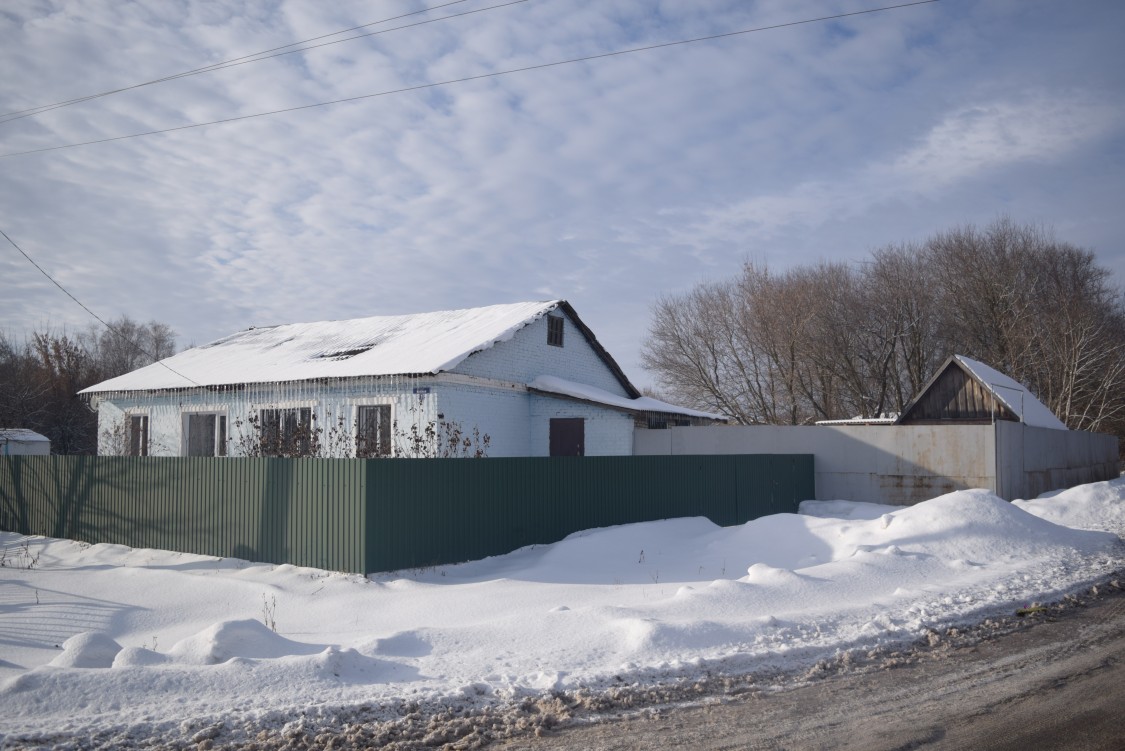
{"x":503,"y":414}
{"x":608,"y":432}
{"x":526,"y":356}
{"x":517,"y":423}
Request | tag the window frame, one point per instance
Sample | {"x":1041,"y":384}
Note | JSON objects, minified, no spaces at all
{"x":220,"y":436}
{"x":556,"y":330}
{"x":310,"y":407}
{"x":357,"y":408}
{"x":143,"y":445}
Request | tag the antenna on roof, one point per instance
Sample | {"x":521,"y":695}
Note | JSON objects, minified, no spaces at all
{"x":1010,"y":388}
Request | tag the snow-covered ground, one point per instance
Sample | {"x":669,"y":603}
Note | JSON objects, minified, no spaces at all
{"x":97,"y":637}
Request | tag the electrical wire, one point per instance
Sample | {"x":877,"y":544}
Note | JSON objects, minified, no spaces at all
{"x":8,"y":117}
{"x":480,"y":77}
{"x":98,"y":318}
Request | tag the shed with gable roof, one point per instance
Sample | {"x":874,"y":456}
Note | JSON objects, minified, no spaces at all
{"x":964,"y":390}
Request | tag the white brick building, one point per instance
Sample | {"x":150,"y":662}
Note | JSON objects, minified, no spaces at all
{"x":530,"y":376}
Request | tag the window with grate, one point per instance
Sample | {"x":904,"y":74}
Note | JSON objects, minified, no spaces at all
{"x":286,"y":432}
{"x":555,"y":331}
{"x":373,"y":431}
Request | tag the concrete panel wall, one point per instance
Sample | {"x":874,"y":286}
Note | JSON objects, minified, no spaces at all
{"x":905,"y":464}
{"x":1032,"y":461}
{"x":880,"y":464}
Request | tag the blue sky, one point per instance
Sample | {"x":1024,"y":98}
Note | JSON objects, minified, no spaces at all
{"x":606,"y":183}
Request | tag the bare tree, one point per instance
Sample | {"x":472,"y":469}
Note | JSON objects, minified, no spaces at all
{"x":40,"y":379}
{"x":127,"y":345}
{"x":834,"y":340}
{"x":1040,"y":310}
{"x":22,"y":392}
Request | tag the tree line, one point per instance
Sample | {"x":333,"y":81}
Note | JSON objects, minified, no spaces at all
{"x":837,"y":340}
{"x":41,"y":375}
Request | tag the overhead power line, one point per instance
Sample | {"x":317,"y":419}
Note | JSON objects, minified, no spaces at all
{"x":260,"y":56}
{"x":98,"y":318}
{"x":482,"y":76}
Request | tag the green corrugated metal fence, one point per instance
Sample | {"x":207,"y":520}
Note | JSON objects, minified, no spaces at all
{"x":380,"y":515}
{"x":277,"y":510}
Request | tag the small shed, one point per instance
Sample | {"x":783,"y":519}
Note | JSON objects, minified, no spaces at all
{"x":967,"y":391}
{"x":22,"y":442}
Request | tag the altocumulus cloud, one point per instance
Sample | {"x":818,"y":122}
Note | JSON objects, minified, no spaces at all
{"x":606,"y":182}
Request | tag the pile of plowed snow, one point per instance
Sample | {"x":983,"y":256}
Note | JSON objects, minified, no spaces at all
{"x":104,"y":636}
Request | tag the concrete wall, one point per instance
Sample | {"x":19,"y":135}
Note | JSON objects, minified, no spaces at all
{"x":1032,"y":461}
{"x":905,"y":464}
{"x":877,"y":463}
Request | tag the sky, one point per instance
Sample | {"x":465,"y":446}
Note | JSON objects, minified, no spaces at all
{"x":131,"y":648}
{"x":607,"y":183}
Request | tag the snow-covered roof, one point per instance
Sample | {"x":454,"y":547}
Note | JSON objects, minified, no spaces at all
{"x":563,"y":387}
{"x":861,"y":421}
{"x":1013,"y":395}
{"x":376,"y":346}
{"x":22,"y":435}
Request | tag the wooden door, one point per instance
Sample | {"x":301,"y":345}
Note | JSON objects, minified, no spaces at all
{"x":568,"y":436}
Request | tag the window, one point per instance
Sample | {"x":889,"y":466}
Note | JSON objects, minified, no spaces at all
{"x":286,"y":432}
{"x":137,"y":435}
{"x":555,"y":331}
{"x":206,"y":434}
{"x":373,"y":431}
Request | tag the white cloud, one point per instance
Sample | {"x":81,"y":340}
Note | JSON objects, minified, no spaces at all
{"x":964,"y":145}
{"x":969,"y":141}
{"x":607,"y":182}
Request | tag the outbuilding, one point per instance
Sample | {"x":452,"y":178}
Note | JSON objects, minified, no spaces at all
{"x":967,"y":391}
{"x":23,"y":442}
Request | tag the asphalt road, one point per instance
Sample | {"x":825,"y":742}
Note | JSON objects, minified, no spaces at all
{"x":1055,"y":681}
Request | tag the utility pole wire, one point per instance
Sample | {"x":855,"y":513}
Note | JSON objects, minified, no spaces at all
{"x":251,"y":58}
{"x":98,"y":318}
{"x":482,"y":76}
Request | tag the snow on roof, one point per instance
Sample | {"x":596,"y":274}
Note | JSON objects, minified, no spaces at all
{"x":861,"y":421}
{"x":1013,"y":395}
{"x":22,"y":435}
{"x":376,"y":346}
{"x":555,"y":385}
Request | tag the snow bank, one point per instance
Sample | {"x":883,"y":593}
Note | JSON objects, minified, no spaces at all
{"x":103,"y":636}
{"x":1094,"y":506}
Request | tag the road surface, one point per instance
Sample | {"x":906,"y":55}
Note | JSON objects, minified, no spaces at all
{"x":1057,"y":682}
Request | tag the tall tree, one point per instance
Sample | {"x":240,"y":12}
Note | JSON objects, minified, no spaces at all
{"x":834,"y":340}
{"x":40,"y":378}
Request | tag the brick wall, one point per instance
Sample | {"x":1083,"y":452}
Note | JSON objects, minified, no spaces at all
{"x":526,"y":356}
{"x":608,"y":432}
{"x":517,"y":423}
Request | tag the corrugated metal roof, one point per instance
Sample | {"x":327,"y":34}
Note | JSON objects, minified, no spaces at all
{"x":375,"y":346}
{"x":861,"y":421}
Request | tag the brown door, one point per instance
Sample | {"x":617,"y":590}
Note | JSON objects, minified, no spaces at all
{"x":568,"y":436}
